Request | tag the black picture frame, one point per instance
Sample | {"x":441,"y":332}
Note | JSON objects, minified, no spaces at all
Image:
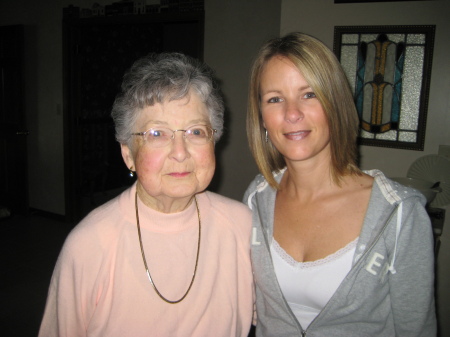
{"x":400,"y":137}
{"x":362,"y":1}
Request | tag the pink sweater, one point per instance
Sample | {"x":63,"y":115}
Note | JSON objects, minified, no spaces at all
{"x":100,"y":287}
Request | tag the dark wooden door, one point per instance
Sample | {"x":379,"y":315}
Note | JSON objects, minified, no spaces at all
{"x":13,"y":133}
{"x":97,"y":52}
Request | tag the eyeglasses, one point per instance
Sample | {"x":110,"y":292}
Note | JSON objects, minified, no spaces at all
{"x":159,"y":137}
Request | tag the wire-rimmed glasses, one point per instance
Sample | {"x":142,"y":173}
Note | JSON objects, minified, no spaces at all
{"x":161,"y":136}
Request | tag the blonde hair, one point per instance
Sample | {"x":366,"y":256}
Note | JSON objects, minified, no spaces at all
{"x":325,"y":76}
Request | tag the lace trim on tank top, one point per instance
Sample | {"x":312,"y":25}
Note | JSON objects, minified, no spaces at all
{"x":310,"y":264}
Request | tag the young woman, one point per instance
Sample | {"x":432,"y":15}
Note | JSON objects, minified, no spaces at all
{"x":335,"y":251}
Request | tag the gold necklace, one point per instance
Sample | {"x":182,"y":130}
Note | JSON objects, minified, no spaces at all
{"x":145,"y":261}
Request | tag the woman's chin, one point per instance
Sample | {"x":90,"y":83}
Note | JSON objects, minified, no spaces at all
{"x":181,"y":191}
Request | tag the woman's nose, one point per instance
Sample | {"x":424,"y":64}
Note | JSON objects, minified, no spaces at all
{"x":179,"y":150}
{"x":293,"y":112}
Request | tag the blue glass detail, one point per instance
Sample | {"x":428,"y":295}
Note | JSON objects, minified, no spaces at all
{"x":359,"y":85}
{"x":398,"y":80}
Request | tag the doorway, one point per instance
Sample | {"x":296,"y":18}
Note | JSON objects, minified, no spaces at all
{"x":13,"y":133}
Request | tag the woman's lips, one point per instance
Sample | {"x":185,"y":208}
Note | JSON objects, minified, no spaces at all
{"x":179,"y":174}
{"x":297,"y":135}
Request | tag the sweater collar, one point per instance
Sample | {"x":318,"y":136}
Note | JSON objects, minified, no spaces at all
{"x":153,"y":220}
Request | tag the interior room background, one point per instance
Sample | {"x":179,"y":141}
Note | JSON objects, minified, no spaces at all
{"x":233,"y":32}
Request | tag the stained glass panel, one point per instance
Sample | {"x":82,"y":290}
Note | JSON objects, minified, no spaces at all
{"x":388,"y":68}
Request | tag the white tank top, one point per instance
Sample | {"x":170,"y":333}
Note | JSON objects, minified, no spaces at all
{"x":308,"y":286}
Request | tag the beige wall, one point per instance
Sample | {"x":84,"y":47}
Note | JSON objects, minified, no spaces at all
{"x":234,"y":31}
{"x":318,"y":18}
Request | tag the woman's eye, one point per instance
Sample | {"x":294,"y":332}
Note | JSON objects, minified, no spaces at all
{"x":158,"y":133}
{"x":198,"y":132}
{"x":310,"y":95}
{"x":274,"y":100}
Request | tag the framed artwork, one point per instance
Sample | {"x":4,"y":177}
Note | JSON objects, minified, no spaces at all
{"x":388,"y":68}
{"x":355,"y":1}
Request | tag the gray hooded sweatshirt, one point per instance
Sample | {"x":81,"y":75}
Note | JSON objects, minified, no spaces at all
{"x":389,"y":290}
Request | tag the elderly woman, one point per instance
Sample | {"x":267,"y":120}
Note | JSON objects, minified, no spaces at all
{"x":336,"y":251}
{"x":165,"y":258}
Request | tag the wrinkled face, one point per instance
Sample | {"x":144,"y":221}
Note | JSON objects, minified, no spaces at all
{"x":172,"y":174}
{"x":292,"y":115}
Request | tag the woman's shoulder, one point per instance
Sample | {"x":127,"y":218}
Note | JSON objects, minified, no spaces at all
{"x":259,"y":185}
{"x":102,"y":214}
{"x":394,"y":192}
{"x":226,"y":213}
{"x":224,"y":204}
{"x":102,"y":223}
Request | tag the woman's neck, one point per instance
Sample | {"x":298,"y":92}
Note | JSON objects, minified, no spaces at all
{"x":163,"y":203}
{"x":307,"y":179}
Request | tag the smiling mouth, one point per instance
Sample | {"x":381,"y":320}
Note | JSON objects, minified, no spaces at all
{"x":297,"y":135}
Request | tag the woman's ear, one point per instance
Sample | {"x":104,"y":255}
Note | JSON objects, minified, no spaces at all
{"x":127,"y":156}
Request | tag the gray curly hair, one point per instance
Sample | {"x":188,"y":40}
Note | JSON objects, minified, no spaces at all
{"x":156,"y":78}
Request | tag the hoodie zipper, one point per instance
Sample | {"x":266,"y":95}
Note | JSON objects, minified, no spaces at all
{"x":367,"y":251}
